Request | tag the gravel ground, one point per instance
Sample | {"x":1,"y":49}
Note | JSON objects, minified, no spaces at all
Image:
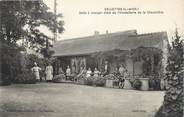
{"x":70,"y":100}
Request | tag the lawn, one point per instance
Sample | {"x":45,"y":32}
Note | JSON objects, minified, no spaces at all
{"x":70,"y":100}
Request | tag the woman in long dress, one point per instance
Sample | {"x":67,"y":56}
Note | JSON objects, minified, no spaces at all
{"x":49,"y":73}
{"x":36,"y":70}
{"x":68,"y":72}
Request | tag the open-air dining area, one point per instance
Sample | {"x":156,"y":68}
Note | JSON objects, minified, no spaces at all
{"x":118,"y":60}
{"x":115,"y":73}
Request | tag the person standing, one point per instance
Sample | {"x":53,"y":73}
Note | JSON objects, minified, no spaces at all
{"x":68,"y":72}
{"x":35,"y":69}
{"x":49,"y":73}
{"x":106,"y":68}
{"x":122,"y":75}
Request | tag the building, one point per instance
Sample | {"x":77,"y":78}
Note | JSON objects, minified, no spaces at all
{"x":139,"y":53}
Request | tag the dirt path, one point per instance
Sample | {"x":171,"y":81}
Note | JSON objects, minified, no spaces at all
{"x":69,"y":100}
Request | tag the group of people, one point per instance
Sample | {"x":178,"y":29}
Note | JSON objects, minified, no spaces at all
{"x":120,"y":72}
{"x":96,"y":73}
{"x":89,"y":72}
{"x":84,"y":72}
{"x":48,"y":72}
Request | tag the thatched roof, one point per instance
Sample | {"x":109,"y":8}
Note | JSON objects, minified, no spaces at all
{"x":126,"y":40}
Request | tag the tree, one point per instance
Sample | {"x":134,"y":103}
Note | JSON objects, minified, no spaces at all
{"x":21,"y":21}
{"x":10,"y":60}
{"x":173,"y":99}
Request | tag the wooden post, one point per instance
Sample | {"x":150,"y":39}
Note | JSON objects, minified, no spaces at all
{"x":152,"y":64}
{"x":133,"y":69}
{"x":56,"y":66}
{"x":55,"y":12}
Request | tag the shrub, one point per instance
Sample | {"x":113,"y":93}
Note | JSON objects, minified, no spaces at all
{"x":89,"y":81}
{"x":81,"y":81}
{"x":26,"y":77}
{"x":100,"y":81}
{"x":131,"y":81}
{"x":59,"y":78}
{"x":154,"y":83}
{"x":173,"y":99}
{"x":72,"y":76}
{"x":159,"y":113}
{"x":110,"y":77}
{"x":137,"y":84}
{"x":10,"y":62}
{"x":5,"y":80}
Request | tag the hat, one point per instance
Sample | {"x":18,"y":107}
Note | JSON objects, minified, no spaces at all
{"x":35,"y":63}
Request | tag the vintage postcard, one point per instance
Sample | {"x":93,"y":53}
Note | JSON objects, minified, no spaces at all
{"x":91,"y":58}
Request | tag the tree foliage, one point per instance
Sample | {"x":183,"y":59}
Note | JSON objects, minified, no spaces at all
{"x":10,"y":59}
{"x":173,"y":99}
{"x":22,"y":19}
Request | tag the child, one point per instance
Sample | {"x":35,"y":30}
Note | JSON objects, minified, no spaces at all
{"x":121,"y":82}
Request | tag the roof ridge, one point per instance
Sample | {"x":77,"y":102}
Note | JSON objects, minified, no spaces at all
{"x":151,"y":33}
{"x":100,"y":35}
{"x":87,"y":45}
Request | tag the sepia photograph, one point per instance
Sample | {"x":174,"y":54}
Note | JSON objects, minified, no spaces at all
{"x":91,"y":58}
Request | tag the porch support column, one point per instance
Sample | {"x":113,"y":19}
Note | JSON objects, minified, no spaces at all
{"x":133,"y":69}
{"x":152,"y":64}
{"x":56,"y":66}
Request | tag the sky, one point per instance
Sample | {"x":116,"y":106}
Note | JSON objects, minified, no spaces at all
{"x":170,"y":14}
